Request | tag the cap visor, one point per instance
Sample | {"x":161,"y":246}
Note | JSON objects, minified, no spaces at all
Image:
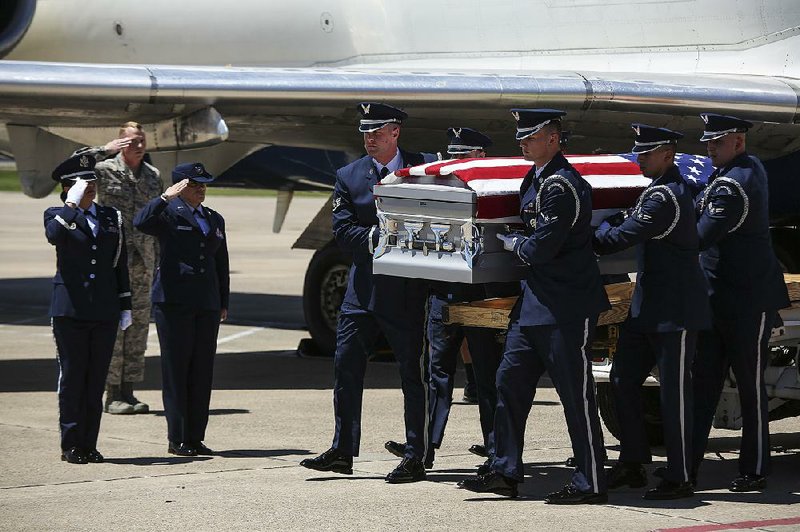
{"x":711,"y":136}
{"x":645,"y":149}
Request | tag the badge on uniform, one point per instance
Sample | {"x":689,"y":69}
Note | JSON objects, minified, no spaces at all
{"x":184,"y":227}
{"x":219,"y":234}
{"x":337,"y":202}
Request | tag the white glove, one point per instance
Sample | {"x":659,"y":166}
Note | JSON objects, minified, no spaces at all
{"x":125,"y":319}
{"x":75,"y":193}
{"x":509,"y":242}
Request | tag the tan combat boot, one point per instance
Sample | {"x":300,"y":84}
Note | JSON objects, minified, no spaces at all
{"x":115,"y":404}
{"x":127,"y":396}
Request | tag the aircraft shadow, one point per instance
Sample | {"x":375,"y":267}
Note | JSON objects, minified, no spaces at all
{"x":25,"y":301}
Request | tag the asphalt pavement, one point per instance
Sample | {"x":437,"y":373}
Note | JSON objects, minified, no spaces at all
{"x":271,"y":408}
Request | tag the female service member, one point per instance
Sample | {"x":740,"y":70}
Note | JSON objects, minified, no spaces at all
{"x":91,"y":295}
{"x":190,"y":298}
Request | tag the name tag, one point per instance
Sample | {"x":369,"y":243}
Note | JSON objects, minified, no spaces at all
{"x":184,"y":228}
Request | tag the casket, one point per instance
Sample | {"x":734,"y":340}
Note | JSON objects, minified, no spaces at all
{"x":438,"y":221}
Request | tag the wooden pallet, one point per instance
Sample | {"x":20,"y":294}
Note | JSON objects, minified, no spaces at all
{"x":493,"y":313}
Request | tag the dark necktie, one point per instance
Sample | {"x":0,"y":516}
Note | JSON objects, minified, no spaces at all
{"x":384,"y":172}
{"x":88,"y":214}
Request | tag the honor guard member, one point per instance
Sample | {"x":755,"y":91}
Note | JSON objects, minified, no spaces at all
{"x":746,"y":288}
{"x":668,"y":308}
{"x":445,"y":340}
{"x":375,"y":303}
{"x":190,"y":299}
{"x":91,"y":297}
{"x":552,"y":323}
{"x":127,"y":182}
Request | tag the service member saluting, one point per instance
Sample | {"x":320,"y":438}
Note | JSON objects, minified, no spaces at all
{"x":375,"y":303}
{"x":668,"y":308}
{"x":190,"y":299}
{"x":746,"y":288}
{"x":553,"y":321}
{"x":91,"y":297}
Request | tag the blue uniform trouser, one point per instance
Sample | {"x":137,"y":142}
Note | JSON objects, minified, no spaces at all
{"x":444,"y":343}
{"x":84,"y":352}
{"x":188,"y":340}
{"x":742,"y":346}
{"x":356,"y":334}
{"x":637,"y":353}
{"x":561,"y":350}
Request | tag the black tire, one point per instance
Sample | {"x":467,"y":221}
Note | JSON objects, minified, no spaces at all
{"x":323,"y":291}
{"x":652,"y":412}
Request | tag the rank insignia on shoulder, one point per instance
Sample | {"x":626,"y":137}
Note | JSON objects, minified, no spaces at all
{"x":713,"y":209}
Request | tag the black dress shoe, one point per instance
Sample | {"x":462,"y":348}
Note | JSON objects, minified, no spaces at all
{"x":409,"y":470}
{"x":93,"y":456}
{"x":396,"y":448}
{"x":667,"y":490}
{"x":661,"y":472}
{"x":181,"y":449}
{"x":748,"y":483}
{"x":479,"y":450}
{"x":74,"y":455}
{"x":626,"y":474}
{"x":491,"y":482}
{"x":485,"y":467}
{"x":331,"y":460}
{"x":200,"y":448}
{"x":569,"y":494}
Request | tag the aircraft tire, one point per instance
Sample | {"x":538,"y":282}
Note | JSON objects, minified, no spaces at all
{"x":652,"y":412}
{"x":323,"y":291}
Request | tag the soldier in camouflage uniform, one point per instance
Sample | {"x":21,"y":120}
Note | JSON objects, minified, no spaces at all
{"x":126,"y":181}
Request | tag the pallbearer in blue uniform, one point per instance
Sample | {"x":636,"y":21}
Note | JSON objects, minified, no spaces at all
{"x":375,"y":303}
{"x":444,"y":341}
{"x":553,"y":321}
{"x":668,"y":308}
{"x":190,"y":299}
{"x":746,"y":288}
{"x":91,"y":297}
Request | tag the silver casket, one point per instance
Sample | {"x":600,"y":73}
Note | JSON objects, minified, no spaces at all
{"x":438,"y":221}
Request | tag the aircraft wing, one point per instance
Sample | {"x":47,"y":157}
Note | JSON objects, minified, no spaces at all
{"x":49,"y":108}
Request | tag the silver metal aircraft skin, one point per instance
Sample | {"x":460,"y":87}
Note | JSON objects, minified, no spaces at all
{"x":261,"y":73}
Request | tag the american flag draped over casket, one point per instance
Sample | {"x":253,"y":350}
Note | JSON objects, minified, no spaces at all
{"x":439,"y":220}
{"x":616,"y":180}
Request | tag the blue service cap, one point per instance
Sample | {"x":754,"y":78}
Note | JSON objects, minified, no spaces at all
{"x":648,"y":138}
{"x":531,"y":121}
{"x":376,"y":115}
{"x":193,"y":171}
{"x":720,"y":125}
{"x":464,"y":140}
{"x":77,"y":166}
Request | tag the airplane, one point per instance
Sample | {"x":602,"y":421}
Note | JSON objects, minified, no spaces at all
{"x":218,"y":82}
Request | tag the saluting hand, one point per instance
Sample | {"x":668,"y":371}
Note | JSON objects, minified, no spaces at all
{"x":114,"y":146}
{"x":175,"y":190}
{"x":75,"y":192}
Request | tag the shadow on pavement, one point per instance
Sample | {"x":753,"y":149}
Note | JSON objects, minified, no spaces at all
{"x":261,"y":453}
{"x":212,"y":412}
{"x":25,"y":301}
{"x":156,"y":460}
{"x":343,"y":477}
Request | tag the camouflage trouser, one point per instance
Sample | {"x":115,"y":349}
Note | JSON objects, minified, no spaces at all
{"x":127,"y":361}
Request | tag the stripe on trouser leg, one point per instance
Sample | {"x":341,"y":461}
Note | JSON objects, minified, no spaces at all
{"x":759,"y":460}
{"x":586,"y":370}
{"x":682,"y":403}
{"x":423,"y":365}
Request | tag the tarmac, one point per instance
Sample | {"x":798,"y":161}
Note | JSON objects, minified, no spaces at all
{"x":271,"y":408}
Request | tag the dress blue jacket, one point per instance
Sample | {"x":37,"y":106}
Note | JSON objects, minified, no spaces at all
{"x":744,"y":277}
{"x":563,"y":283}
{"x":193,"y":268}
{"x":670,"y":292}
{"x":91,"y":281}
{"x":355,"y":223}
